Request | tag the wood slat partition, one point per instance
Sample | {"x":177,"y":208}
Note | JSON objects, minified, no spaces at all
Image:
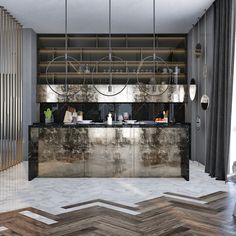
{"x":10,"y":90}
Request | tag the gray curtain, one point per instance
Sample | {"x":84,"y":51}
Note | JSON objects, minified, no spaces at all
{"x":220,"y":106}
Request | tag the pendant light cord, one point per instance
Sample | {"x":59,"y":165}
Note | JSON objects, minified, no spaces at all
{"x":205,"y":82}
{"x":66,"y":49}
{"x":198,"y":63}
{"x":198,"y":94}
{"x":193,"y":39}
{"x":205,"y":48}
{"x":110,"y":57}
{"x":205,"y":37}
{"x":193,"y":71}
{"x":68,"y":61}
{"x":154,"y":37}
{"x":110,"y":49}
{"x":110,"y":30}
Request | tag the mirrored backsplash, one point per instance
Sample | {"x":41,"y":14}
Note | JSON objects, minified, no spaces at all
{"x":99,"y":111}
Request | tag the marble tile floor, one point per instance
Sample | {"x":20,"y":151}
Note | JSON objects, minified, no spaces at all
{"x":51,"y":194}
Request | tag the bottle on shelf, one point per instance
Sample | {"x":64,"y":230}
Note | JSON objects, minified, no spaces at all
{"x":74,"y":117}
{"x":87,"y":69}
{"x":80,"y":116}
{"x":109,"y":119}
{"x":120,"y":118}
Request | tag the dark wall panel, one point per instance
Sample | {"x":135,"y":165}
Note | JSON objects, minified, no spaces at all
{"x":195,"y":70}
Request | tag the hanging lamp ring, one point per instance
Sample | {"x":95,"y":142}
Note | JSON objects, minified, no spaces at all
{"x":65,"y":57}
{"x":112,"y":59}
{"x":147,"y":87}
{"x":60,"y":59}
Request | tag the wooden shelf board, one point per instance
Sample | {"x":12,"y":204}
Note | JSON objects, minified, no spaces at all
{"x":116,"y":63}
{"x":114,"y":38}
{"x":120,"y":75}
{"x":114,"y":50}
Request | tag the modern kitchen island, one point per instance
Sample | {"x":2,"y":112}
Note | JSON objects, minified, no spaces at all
{"x":99,"y":150}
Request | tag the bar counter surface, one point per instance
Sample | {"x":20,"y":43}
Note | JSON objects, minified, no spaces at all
{"x":101,"y":150}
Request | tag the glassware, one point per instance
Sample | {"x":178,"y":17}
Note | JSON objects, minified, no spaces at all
{"x":87,"y":69}
{"x":126,"y":116}
{"x":120,"y":118}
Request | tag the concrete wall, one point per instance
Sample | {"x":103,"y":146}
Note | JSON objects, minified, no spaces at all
{"x":30,"y":108}
{"x":195,"y":70}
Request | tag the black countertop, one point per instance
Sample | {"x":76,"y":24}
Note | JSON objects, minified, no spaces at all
{"x":104,"y":125}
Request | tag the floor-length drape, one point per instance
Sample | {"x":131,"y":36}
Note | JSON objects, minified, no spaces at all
{"x":219,"y":129}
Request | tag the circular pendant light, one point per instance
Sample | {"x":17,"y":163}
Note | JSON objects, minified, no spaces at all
{"x":70,"y":63}
{"x":112,"y":89}
{"x":156,"y":86}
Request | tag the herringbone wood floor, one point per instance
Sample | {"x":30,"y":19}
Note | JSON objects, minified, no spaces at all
{"x":164,"y":216}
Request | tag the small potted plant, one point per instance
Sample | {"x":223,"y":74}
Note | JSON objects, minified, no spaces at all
{"x":48,"y":116}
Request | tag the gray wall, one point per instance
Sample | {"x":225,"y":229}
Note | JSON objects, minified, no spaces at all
{"x":195,"y":70}
{"x":30,"y":108}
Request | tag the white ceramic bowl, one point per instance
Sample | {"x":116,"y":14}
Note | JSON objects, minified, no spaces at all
{"x":130,"y":121}
{"x":85,"y":121}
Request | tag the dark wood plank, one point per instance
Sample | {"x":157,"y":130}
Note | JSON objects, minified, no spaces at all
{"x":164,"y":216}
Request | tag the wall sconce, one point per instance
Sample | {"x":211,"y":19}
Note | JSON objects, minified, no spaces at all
{"x":204,"y":102}
{"x":198,"y":123}
{"x":198,"y":50}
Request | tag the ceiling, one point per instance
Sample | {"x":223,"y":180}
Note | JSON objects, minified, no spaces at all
{"x":91,"y":16}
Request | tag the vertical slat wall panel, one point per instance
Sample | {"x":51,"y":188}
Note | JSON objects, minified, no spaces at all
{"x":10,"y":91}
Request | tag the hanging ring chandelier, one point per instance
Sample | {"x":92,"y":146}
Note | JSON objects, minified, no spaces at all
{"x":110,"y":89}
{"x":69,"y":61}
{"x":112,"y":59}
{"x":151,"y":88}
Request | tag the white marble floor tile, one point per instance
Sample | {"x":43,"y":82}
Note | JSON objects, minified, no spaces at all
{"x":105,"y":205}
{"x":3,"y":228}
{"x":186,"y":199}
{"x":38,"y":217}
